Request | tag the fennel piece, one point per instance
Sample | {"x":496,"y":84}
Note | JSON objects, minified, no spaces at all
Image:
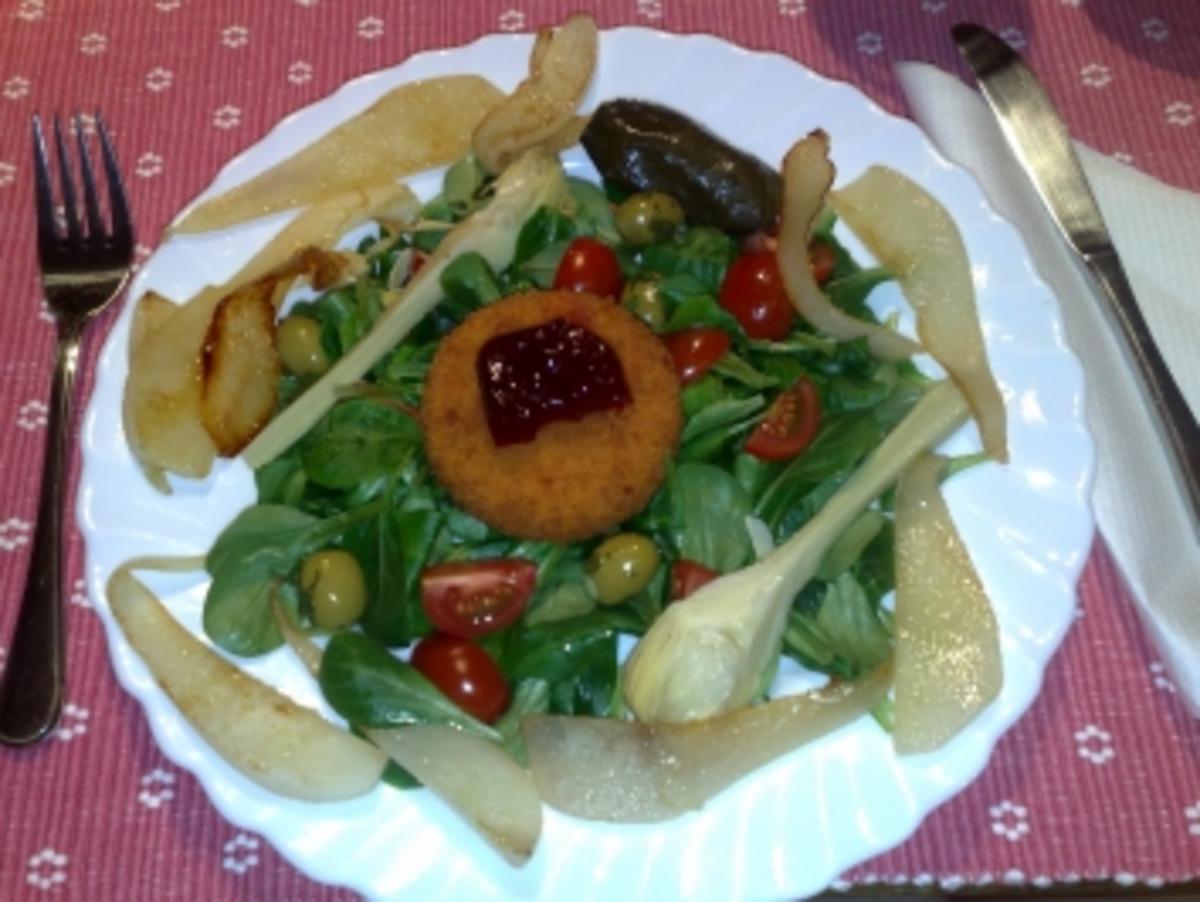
{"x":705,"y":656}
{"x":633,"y":772}
{"x":948,"y":663}
{"x":808,"y":174}
{"x":534,"y":180}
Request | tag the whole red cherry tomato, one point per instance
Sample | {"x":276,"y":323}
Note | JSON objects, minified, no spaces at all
{"x":590,"y":266}
{"x":464,"y":672}
{"x":753,"y":292}
{"x":474,"y":598}
{"x":688,"y":576}
{"x":790,"y":424}
{"x":694,"y":351}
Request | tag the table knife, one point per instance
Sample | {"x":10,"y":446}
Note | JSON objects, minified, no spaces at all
{"x":1040,"y":142}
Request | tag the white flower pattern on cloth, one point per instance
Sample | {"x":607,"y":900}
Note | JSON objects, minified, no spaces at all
{"x":159,"y":79}
{"x":1191,"y":814}
{"x":1159,"y":677}
{"x":73,"y":723}
{"x":235,"y":36}
{"x":149,"y":165}
{"x":1095,"y":75}
{"x":93,"y":44}
{"x":511,"y":20}
{"x":934,"y":6}
{"x":1156,"y":30}
{"x":869,"y":43}
{"x":1010,"y":820}
{"x":1094,"y":744}
{"x":793,"y":7}
{"x":227,"y":117}
{"x":32,"y":415}
{"x":240,"y":853}
{"x":650,"y":9}
{"x":16,"y":87}
{"x":8,"y":173}
{"x":370,"y":28}
{"x":79,"y":594}
{"x":31,"y":10}
{"x":1014,"y":37}
{"x":156,"y":788}
{"x":14,"y":532}
{"x":300,"y":72}
{"x":46,"y":869}
{"x":1180,"y":113}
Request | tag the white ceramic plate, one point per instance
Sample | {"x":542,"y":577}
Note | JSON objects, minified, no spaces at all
{"x":790,"y":829}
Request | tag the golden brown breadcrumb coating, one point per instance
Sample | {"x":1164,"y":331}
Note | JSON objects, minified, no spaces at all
{"x":576,"y":478}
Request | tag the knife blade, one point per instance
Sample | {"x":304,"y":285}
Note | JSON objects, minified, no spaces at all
{"x":1042,"y":146}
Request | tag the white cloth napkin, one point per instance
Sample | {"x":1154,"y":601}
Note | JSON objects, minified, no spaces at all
{"x":1157,"y":232}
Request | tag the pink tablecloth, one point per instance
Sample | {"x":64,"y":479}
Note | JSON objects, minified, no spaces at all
{"x":1100,"y":781}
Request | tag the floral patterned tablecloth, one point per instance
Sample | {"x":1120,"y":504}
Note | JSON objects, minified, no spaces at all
{"x":1101,"y":779}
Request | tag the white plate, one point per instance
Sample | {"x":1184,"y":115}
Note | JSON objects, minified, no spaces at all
{"x":790,"y":829}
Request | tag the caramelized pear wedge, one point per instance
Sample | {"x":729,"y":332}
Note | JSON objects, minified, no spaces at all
{"x":411,"y":128}
{"x":541,"y":110}
{"x":948,"y":665}
{"x":280,"y":745}
{"x":632,"y":772}
{"x":808,"y":174}
{"x":914,"y":236}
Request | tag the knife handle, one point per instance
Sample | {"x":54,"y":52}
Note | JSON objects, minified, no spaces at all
{"x":1178,"y":425}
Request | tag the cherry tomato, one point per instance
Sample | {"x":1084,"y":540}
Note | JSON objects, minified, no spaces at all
{"x":790,"y":424}
{"x":694,"y":351}
{"x":589,"y":265}
{"x":464,"y":672}
{"x":474,"y":598}
{"x":822,"y":260}
{"x":753,"y":292}
{"x":688,"y":576}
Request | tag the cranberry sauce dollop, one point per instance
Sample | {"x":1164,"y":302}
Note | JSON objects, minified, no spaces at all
{"x":544,"y":374}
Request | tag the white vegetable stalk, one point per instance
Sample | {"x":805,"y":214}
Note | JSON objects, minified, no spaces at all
{"x":705,"y":656}
{"x":533,"y":181}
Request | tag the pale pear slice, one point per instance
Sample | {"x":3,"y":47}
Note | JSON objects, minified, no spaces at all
{"x":808,"y":174}
{"x":409,"y":129}
{"x":948,"y":665}
{"x":914,"y":236}
{"x":541,"y":110}
{"x":282,"y":746}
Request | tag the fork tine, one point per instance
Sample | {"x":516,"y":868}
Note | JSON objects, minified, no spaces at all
{"x":68,"y":185}
{"x":95,"y":223}
{"x":43,"y":195}
{"x":122,"y":232}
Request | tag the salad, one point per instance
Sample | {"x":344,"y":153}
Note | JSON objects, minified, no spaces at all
{"x":355,"y":539}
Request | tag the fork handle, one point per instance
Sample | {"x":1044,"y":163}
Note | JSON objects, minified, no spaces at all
{"x":32,"y":692}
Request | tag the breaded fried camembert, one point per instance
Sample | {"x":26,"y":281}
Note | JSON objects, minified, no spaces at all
{"x":574,"y":477}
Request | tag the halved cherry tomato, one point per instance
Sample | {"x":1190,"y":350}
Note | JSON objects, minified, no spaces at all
{"x":790,"y":424}
{"x":688,"y":576}
{"x":464,"y":672}
{"x":694,"y":351}
{"x":822,"y":260}
{"x":474,"y":598}
{"x":753,"y":292}
{"x":591,"y":266}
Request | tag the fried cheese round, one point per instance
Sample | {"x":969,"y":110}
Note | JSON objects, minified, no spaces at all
{"x":575,"y":478}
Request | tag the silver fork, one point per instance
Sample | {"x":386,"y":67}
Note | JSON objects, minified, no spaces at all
{"x":84,"y":265}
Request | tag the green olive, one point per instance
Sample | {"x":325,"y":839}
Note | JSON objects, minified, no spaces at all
{"x":648,"y":216}
{"x":333,"y":583}
{"x":298,"y":341}
{"x":643,"y":299}
{"x":621,"y":566}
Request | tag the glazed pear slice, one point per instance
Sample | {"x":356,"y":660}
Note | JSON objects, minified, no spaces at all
{"x":948,"y":665}
{"x":280,"y":745}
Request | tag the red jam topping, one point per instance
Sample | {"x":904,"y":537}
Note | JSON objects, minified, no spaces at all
{"x":544,"y":374}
